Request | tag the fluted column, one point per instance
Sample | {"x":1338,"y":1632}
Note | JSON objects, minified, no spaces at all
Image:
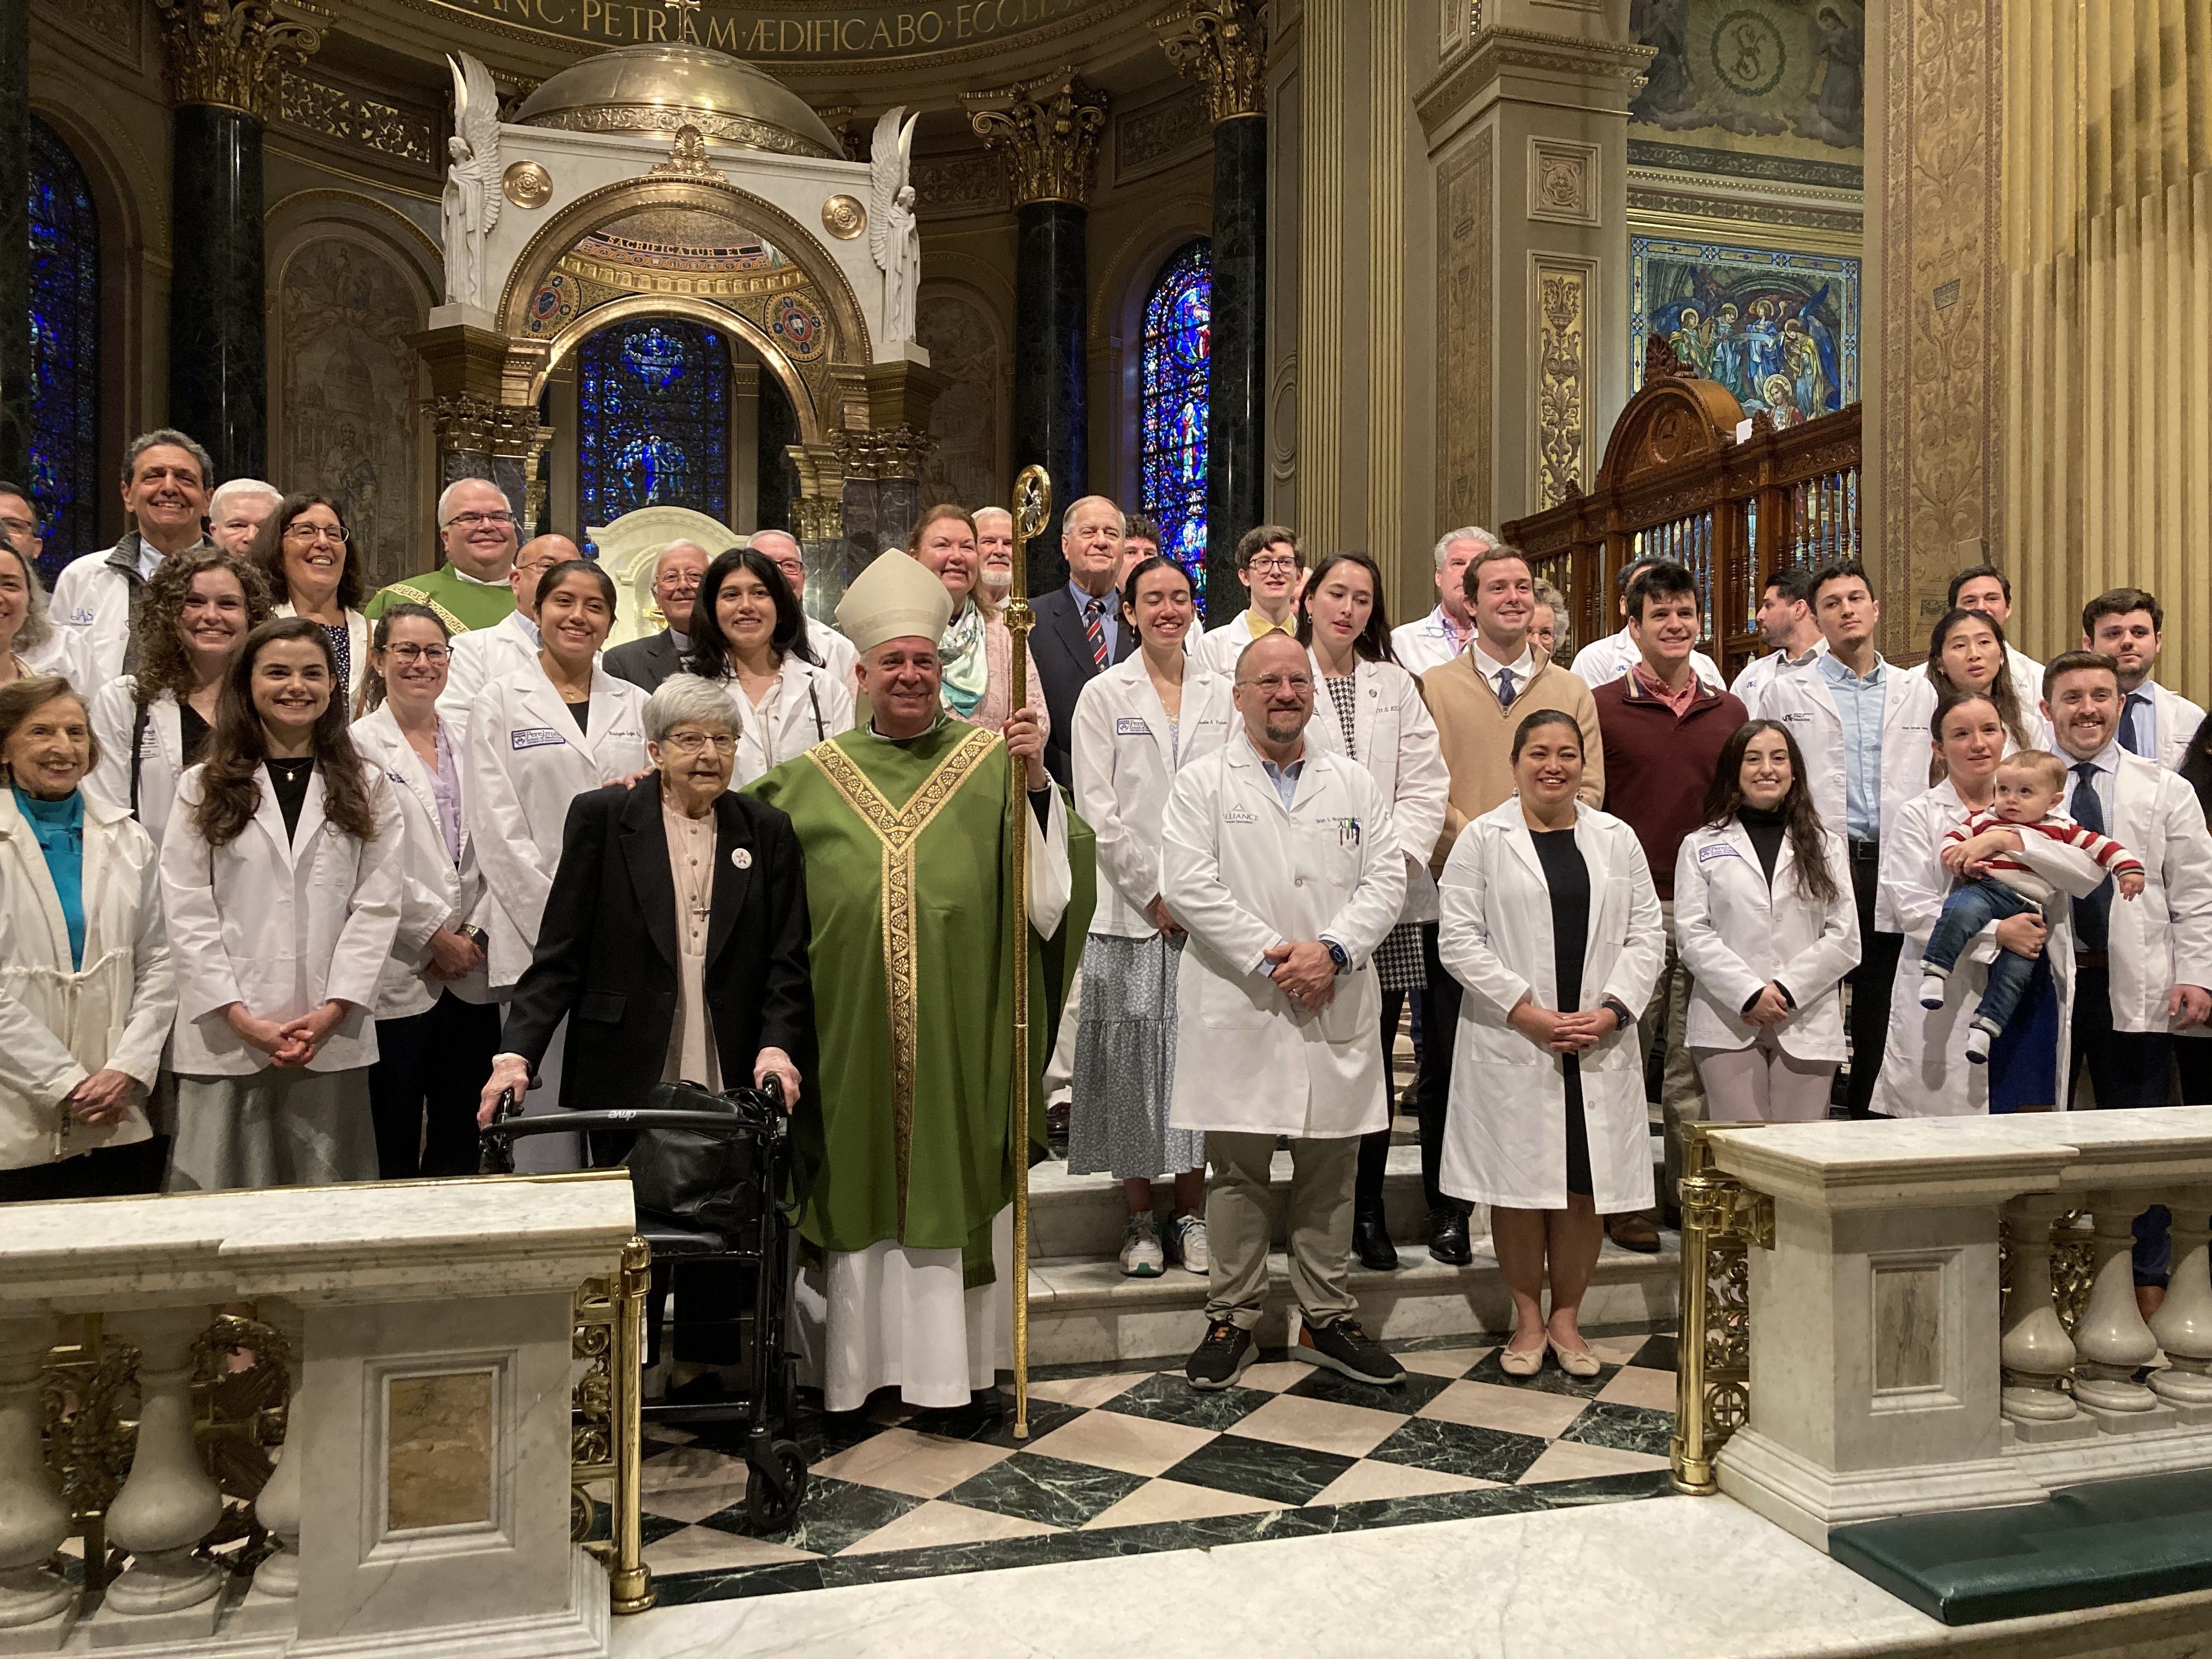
{"x":223,"y":60}
{"x":1223,"y":45}
{"x":1048,"y":131}
{"x":15,"y":239}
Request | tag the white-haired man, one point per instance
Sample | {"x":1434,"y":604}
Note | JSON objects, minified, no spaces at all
{"x":994,"y":547}
{"x":165,"y":495}
{"x":476,"y":528}
{"x":832,"y":650}
{"x":235,"y":512}
{"x":650,"y":658}
{"x":1434,"y":639}
{"x":1079,"y":633}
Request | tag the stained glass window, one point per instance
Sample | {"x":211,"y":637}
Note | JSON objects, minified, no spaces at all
{"x":64,"y":350}
{"x":653,"y":419}
{"x":1178,"y":332}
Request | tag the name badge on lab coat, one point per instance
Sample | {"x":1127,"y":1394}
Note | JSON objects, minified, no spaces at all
{"x":534,"y":737}
{"x":1719,"y":849}
{"x":1132,"y":725}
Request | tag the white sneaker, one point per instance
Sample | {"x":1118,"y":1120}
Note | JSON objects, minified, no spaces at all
{"x":1188,"y":1232}
{"x":1932,"y":990}
{"x":1141,"y":1255}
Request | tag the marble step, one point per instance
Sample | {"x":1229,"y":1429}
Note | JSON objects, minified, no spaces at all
{"x":1083,"y":1309}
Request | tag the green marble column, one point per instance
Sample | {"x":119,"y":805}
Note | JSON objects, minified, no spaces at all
{"x":16,"y":240}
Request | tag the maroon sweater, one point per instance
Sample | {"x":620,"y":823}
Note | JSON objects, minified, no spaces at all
{"x":1657,"y":768}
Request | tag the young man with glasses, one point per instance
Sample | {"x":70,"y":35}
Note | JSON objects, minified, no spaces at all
{"x":475,"y":526}
{"x":1268,"y":560}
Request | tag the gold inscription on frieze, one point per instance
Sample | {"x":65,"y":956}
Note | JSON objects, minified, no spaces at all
{"x":438,"y":1450}
{"x":857,"y":32}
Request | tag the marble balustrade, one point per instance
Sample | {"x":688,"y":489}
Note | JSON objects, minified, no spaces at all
{"x":420,"y":1501}
{"x":1908,"y":1347}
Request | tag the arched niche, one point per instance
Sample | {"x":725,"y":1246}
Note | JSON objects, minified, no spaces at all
{"x":572,"y":334}
{"x":1117,"y":337}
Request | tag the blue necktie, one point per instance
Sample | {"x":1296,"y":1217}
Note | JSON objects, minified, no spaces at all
{"x":1505,"y":688}
{"x":2134,"y":736}
{"x":1094,"y":625}
{"x":2093,"y":916}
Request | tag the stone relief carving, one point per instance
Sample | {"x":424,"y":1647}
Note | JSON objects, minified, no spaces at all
{"x":974,"y":183}
{"x":1563,"y":181}
{"x":1145,"y":140}
{"x":346,"y":380}
{"x":966,"y":421}
{"x":1464,"y":193}
{"x":1562,"y":381}
{"x":350,"y":117}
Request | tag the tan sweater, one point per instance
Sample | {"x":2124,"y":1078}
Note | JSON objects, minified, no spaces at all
{"x":1477,"y":736}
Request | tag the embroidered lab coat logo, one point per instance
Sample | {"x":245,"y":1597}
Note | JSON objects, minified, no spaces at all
{"x":1132,"y":725}
{"x":1719,"y":849}
{"x":534,"y":737}
{"x":1240,"y":815}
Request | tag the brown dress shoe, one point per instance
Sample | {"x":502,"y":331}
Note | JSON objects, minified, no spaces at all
{"x":1633,"y":1232}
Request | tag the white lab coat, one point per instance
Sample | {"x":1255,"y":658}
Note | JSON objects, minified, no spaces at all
{"x":1426,"y":644}
{"x":60,"y":1023}
{"x":114,"y":713}
{"x":357,"y":630}
{"x":480,"y":656}
{"x":2175,"y":722}
{"x":1751,"y":685}
{"x":527,"y":762}
{"x":52,"y":658}
{"x":1217,"y":652}
{"x":836,"y":652}
{"x":1506,"y":1133}
{"x":1394,"y":736}
{"x":91,"y":607}
{"x":437,"y":891}
{"x":1123,"y":768}
{"x":1240,"y":873}
{"x":808,"y":706}
{"x":1924,"y":1069}
{"x":1602,"y":661}
{"x":2164,"y":937}
{"x":1736,"y":932}
{"x":1908,"y":737}
{"x":282,"y":925}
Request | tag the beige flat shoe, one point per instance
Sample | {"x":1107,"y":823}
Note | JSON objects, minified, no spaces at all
{"x":1521,"y":1362}
{"x":1575,"y":1362}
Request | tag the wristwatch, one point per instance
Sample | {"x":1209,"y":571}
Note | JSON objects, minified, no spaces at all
{"x":476,"y":936}
{"x":1623,"y":1019}
{"x":1338,"y":955}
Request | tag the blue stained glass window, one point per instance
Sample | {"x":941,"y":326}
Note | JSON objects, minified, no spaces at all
{"x":653,"y":419}
{"x":64,"y":350}
{"x":1178,"y":334}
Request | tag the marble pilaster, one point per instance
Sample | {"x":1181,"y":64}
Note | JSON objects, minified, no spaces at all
{"x":15,"y":239}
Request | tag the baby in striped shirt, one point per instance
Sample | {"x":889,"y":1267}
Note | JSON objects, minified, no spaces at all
{"x":1994,"y":882}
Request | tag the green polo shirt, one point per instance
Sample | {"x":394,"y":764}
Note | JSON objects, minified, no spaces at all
{"x":463,"y":605}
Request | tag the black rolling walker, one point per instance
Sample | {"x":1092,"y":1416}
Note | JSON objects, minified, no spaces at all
{"x":717,"y":1188}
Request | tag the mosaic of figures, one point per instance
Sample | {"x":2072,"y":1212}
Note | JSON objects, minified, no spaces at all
{"x":1780,"y":329}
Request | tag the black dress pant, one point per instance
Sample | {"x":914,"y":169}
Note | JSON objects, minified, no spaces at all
{"x":111,"y":1172}
{"x":1439,"y":1023}
{"x":433,"y":1065}
{"x":1871,"y":980}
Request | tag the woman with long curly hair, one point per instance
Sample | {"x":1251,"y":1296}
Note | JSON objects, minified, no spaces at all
{"x":281,"y":875}
{"x":199,"y":607}
{"x":307,"y":552}
{"x":1765,"y":922}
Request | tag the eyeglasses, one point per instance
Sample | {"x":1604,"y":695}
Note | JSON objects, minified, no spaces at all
{"x":310,"y":533}
{"x":470,"y":520}
{"x":20,"y":526}
{"x":1272,"y":564}
{"x":414,"y":653}
{"x":1272,"y":684}
{"x":693,"y":742}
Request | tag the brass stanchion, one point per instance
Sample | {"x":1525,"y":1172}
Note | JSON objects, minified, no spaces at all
{"x":629,"y":1582}
{"x":1032,"y":510}
{"x":1721,"y":1222}
{"x":1687,"y":1449}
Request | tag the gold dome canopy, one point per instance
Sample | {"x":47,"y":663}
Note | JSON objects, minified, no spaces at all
{"x":660,"y":86}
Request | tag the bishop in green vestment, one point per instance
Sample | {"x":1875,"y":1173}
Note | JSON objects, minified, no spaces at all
{"x":906,"y":828}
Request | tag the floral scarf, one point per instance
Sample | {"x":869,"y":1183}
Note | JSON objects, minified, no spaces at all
{"x":967,"y":663}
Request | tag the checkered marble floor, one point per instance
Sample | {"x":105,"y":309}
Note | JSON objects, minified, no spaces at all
{"x":1128,"y":1458}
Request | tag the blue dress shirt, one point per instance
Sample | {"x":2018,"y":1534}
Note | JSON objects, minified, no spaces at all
{"x":1860,"y":705}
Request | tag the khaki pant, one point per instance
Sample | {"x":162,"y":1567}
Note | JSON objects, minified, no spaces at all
{"x":1681,"y":1096}
{"x":1240,"y":1223}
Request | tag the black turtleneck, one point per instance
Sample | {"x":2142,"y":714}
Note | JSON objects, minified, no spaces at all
{"x":1765,"y":830}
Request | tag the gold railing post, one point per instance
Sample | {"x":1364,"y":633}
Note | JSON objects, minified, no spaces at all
{"x":1687,"y":1449}
{"x":628,"y":1579}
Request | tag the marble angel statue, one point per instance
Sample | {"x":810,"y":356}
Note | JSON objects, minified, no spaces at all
{"x":473,"y":181}
{"x":894,"y":237}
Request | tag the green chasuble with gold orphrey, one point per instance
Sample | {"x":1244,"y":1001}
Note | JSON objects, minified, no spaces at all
{"x":908,"y":883}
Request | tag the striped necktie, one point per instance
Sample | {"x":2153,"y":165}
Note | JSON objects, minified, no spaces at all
{"x":1094,"y":626}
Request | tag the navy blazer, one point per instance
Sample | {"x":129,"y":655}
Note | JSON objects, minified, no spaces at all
{"x":1061,"y":646}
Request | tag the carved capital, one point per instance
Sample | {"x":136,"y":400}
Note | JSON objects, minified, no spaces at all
{"x":478,"y":426}
{"x":1048,"y":130}
{"x":232,"y":52}
{"x":1223,"y":44}
{"x":889,"y":451}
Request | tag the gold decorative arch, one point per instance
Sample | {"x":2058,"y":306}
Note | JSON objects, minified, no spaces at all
{"x":849,"y":331}
{"x":579,"y":328}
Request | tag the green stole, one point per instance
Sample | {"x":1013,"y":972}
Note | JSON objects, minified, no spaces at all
{"x":908,"y":862}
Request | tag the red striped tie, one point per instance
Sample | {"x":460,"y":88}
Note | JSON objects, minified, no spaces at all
{"x":1094,"y":625}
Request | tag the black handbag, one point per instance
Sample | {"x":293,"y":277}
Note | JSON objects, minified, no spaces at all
{"x":699,"y":1181}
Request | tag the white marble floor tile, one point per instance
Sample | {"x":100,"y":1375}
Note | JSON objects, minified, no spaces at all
{"x":703,"y":1549}
{"x":1085,"y":1391}
{"x":936,"y":1524}
{"x":1570,"y":1460}
{"x":1443,"y":1361}
{"x":1276,"y":1375}
{"x":1616,"y":1349}
{"x":1172,"y":1500}
{"x":1114,"y":1440}
{"x":691,"y":1484}
{"x":1496,"y":1406}
{"x":1367,"y":1479}
{"x":1635,"y":1385}
{"x":1319,"y":1425}
{"x":919,"y":1465}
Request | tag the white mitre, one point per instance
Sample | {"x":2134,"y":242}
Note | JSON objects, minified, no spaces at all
{"x":895,"y":598}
